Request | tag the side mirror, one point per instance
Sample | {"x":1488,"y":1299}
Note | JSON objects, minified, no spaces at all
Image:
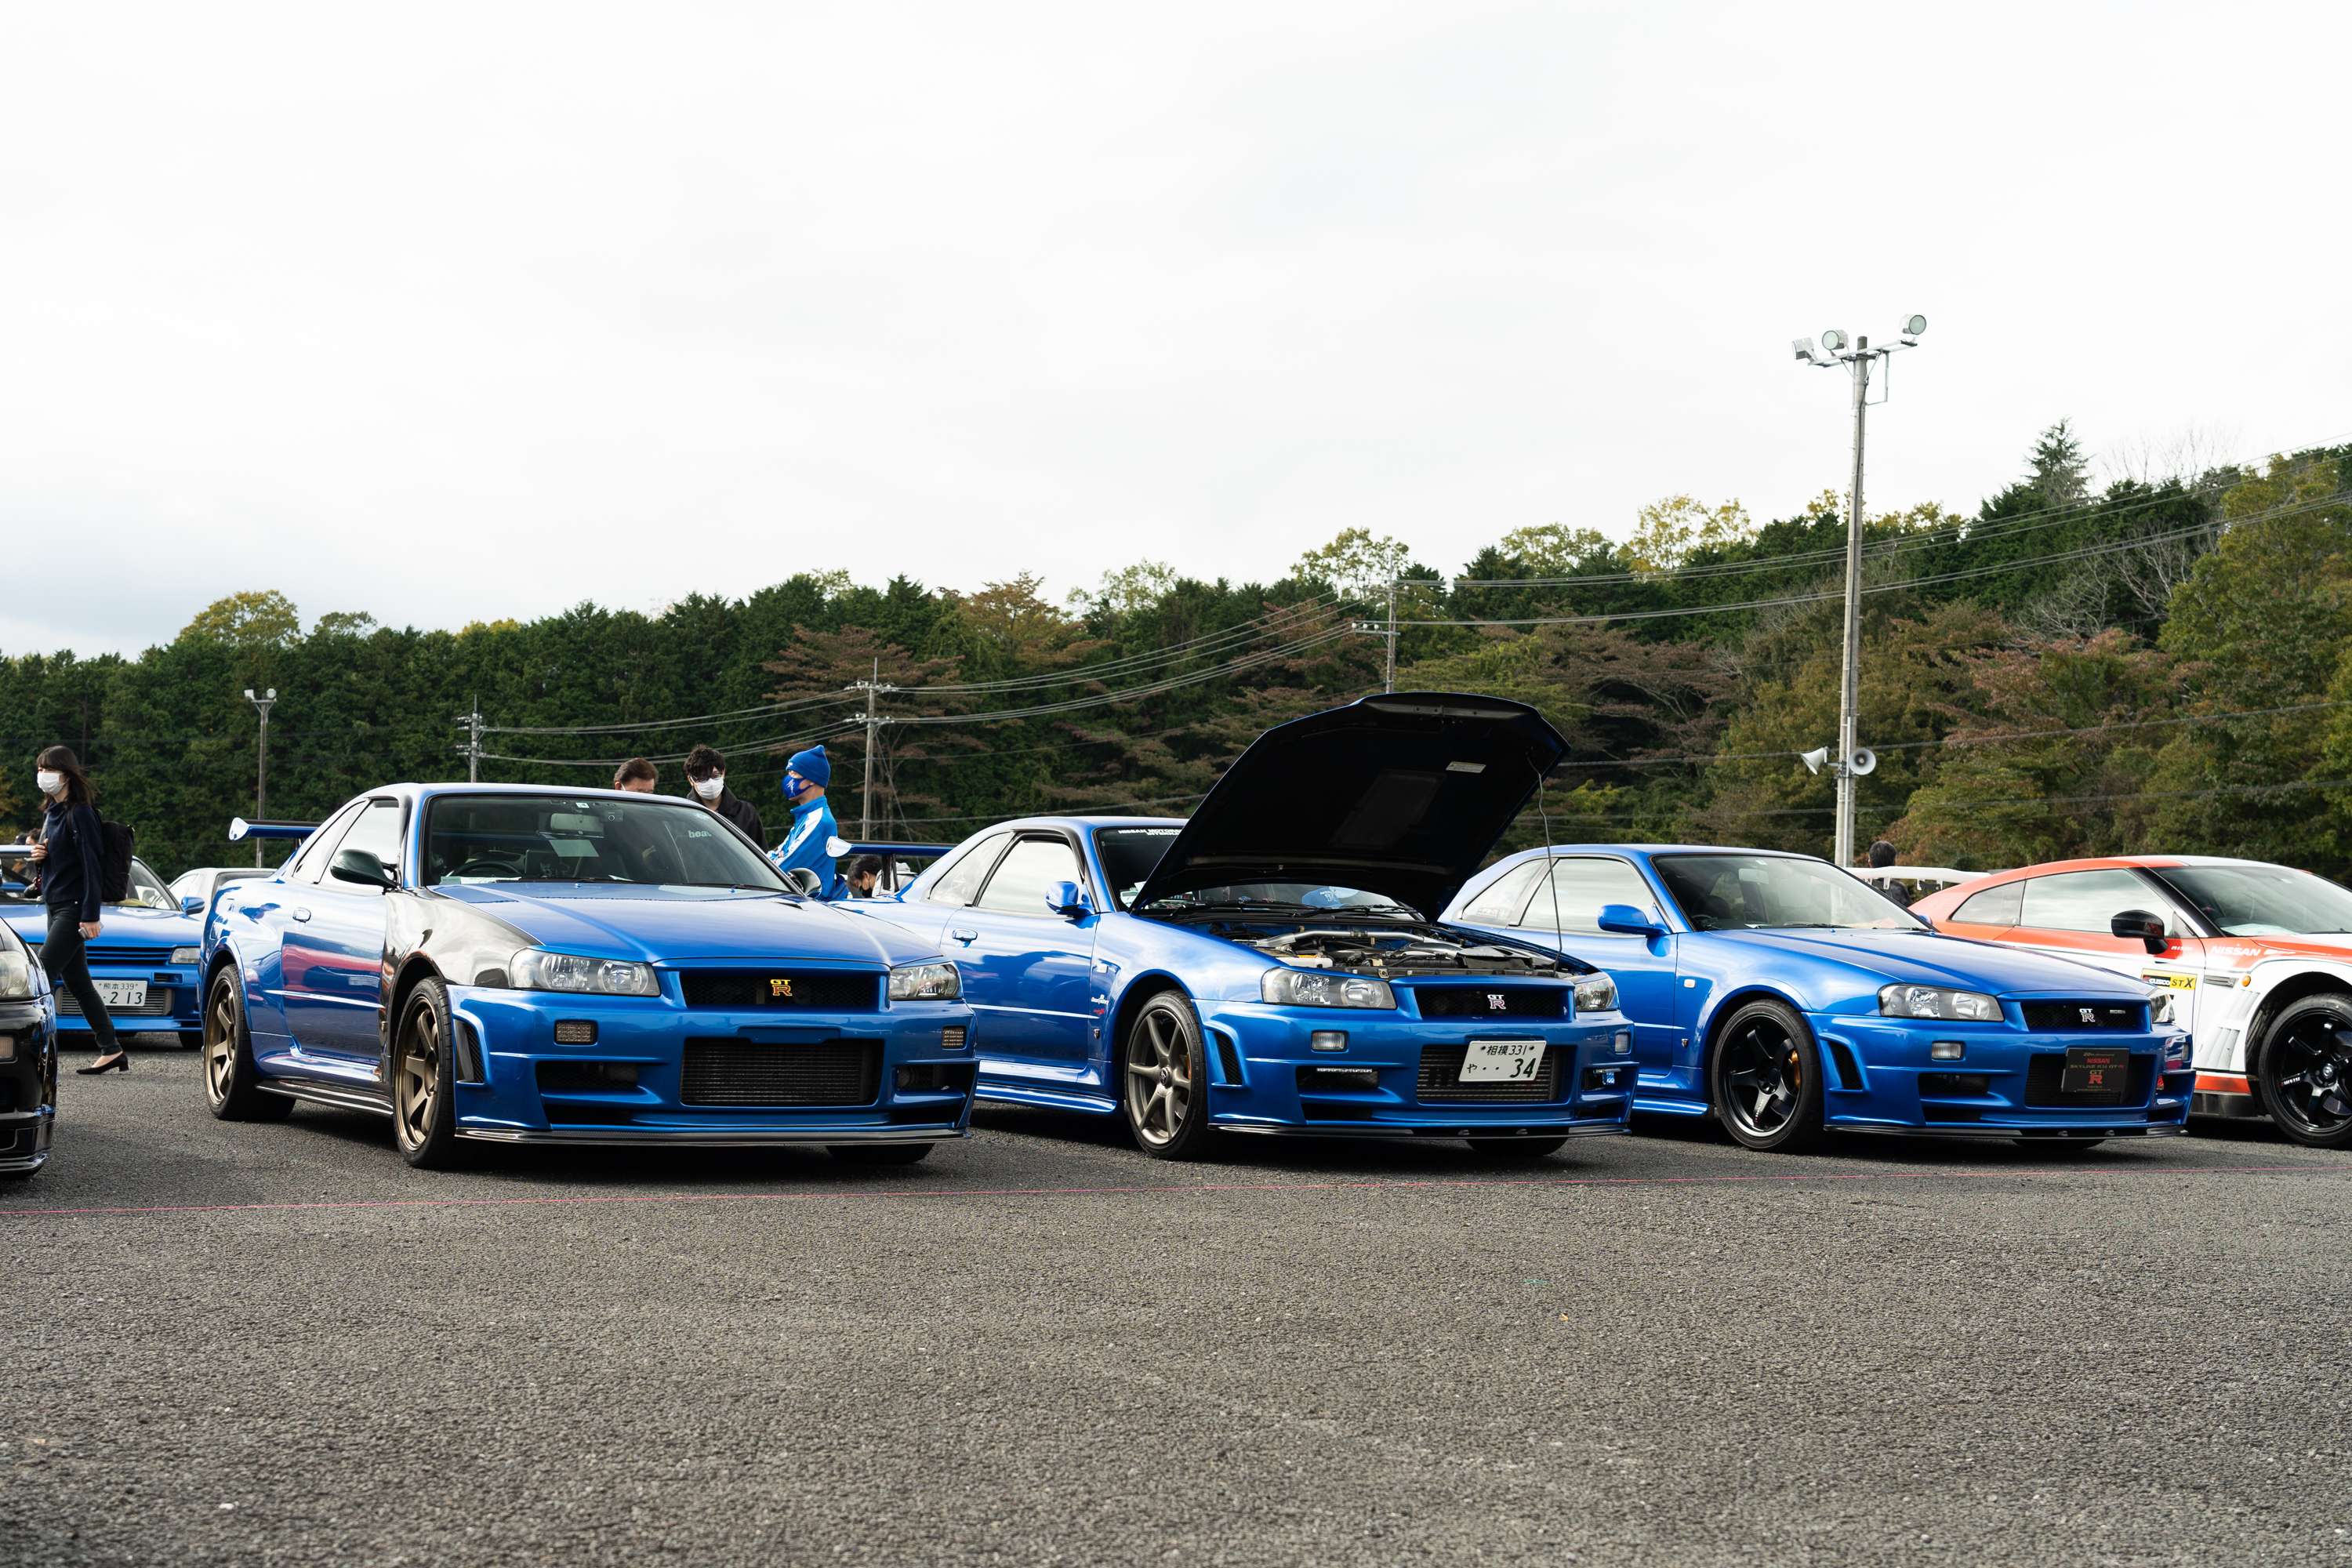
{"x":1069,"y":900}
{"x":2139,"y":923}
{"x":361,"y":865}
{"x":804,"y":881}
{"x":1624,"y":920}
{"x":836,"y":847}
{"x":189,"y":904}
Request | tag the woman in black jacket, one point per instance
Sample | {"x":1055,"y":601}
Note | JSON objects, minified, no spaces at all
{"x":72,"y":858}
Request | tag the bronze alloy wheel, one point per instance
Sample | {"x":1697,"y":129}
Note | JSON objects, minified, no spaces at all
{"x":2305,"y":1077}
{"x":1768,"y":1080}
{"x":424,"y":1119}
{"x":232,"y":1089}
{"x":1166,"y":1076}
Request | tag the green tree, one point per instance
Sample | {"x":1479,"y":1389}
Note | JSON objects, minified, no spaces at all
{"x":263,"y":619}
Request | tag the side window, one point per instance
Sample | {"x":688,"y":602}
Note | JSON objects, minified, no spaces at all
{"x":1583,"y":884}
{"x":1030,"y":867}
{"x":377,"y":831}
{"x":1500,"y":904}
{"x":2088,"y":901}
{"x":1994,"y":907}
{"x":962,"y":881}
{"x":321,"y":847}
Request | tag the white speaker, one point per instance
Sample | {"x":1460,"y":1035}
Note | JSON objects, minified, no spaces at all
{"x":1813,"y":761}
{"x":1863,"y":761}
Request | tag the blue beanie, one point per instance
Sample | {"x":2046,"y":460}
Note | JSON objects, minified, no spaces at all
{"x":810,"y":766}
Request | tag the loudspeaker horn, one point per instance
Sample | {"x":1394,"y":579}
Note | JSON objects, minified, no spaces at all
{"x":1814,"y":761}
{"x":1863,"y":761}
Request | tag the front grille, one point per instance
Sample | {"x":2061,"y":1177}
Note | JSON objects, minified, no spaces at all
{"x":1489,"y":1001}
{"x":144,"y":957}
{"x":740,"y":1072}
{"x":801,"y":990}
{"x":2045,"y":1078}
{"x":158,"y":1003}
{"x":586,"y":1077}
{"x":2071,"y":1017}
{"x":1441,"y":1069}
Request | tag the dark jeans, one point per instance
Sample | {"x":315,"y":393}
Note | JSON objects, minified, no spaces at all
{"x":68,"y":964}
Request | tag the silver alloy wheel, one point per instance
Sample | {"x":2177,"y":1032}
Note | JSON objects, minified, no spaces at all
{"x":1158,"y":1077}
{"x":416,"y":1075}
{"x":220,"y":1045}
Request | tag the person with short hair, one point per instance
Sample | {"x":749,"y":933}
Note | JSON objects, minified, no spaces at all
{"x":858,"y":881}
{"x":1882,"y":856}
{"x":638,"y":776}
{"x":805,"y":776}
{"x":72,"y":860}
{"x":705,"y":770}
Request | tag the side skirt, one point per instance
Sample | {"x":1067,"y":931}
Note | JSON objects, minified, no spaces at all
{"x":323,"y":1094}
{"x":1012,"y":1091}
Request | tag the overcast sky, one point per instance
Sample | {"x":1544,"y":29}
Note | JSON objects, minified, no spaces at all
{"x":448,"y":313}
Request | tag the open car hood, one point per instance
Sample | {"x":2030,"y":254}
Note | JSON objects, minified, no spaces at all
{"x":1400,"y":795}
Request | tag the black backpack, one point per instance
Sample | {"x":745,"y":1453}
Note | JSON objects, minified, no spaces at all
{"x":114,"y":869}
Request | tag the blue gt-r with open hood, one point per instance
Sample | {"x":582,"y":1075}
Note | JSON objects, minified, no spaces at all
{"x":1786,"y":997}
{"x":1272,"y":965}
{"x":526,"y":964}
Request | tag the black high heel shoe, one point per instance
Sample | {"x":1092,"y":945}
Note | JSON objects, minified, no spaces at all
{"x":120,"y":1062}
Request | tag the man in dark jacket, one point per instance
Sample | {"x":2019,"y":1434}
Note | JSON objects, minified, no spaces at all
{"x":706,"y":769}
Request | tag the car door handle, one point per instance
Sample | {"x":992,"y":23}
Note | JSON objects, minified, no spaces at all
{"x":964,"y":936}
{"x":301,"y":914}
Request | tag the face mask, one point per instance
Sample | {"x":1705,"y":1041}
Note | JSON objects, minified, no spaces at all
{"x":710,"y":788}
{"x":50,"y":782}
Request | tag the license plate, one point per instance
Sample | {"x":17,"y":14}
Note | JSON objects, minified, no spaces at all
{"x":2096,"y":1069}
{"x":1502,"y":1061}
{"x":122,"y":993}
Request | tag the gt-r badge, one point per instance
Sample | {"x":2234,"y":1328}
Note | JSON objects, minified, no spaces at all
{"x":783,"y":988}
{"x":2089,"y":1016}
{"x":1495,"y":1003}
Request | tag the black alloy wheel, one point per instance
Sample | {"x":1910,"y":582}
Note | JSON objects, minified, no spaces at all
{"x":2304,"y":1075}
{"x":424,"y":1108}
{"x":1516,"y":1150}
{"x":232,"y":1084}
{"x":1767,"y":1080}
{"x":1164,"y":1079}
{"x":878,"y":1154}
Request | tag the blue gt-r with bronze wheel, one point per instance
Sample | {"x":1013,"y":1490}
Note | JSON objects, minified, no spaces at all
{"x":1789,"y":998}
{"x":1274,"y":965}
{"x":518,"y":965}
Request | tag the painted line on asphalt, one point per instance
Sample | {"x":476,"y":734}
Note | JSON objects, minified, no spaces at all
{"x":1185,"y":1187}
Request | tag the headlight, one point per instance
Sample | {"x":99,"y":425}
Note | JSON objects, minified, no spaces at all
{"x":2160,"y":1005}
{"x":926,"y":982}
{"x":1934,"y":1002}
{"x":1313,"y":988}
{"x":186,"y":954}
{"x":15,"y":975}
{"x":532,"y":969}
{"x":1595,"y":994}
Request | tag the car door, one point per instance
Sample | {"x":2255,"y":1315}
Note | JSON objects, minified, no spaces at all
{"x":1025,"y":968}
{"x":1565,"y":913}
{"x":2068,"y":913}
{"x":332,"y":952}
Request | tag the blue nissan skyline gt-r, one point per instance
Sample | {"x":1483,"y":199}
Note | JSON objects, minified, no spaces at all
{"x":1271,"y":965}
{"x":1788,"y":997}
{"x":143,"y":962}
{"x":534,"y":965}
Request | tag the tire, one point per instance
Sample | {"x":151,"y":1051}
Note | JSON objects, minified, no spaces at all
{"x":878,"y":1154}
{"x":1163,"y":1072}
{"x":1765,"y":1080}
{"x":232,"y":1083}
{"x":1516,"y":1150}
{"x":2305,"y":1077}
{"x":424,"y":1101}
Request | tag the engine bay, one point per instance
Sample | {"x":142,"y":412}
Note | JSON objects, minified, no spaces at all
{"x":1394,"y":949}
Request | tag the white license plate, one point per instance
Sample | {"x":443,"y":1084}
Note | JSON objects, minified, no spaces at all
{"x":122,"y":993}
{"x":1502,"y":1061}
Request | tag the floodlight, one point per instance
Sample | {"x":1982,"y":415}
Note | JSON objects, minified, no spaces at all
{"x":1914,"y":326}
{"x":1834,"y":339}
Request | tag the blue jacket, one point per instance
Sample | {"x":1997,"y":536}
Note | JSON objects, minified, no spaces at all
{"x":75,"y":871}
{"x":813,"y":826}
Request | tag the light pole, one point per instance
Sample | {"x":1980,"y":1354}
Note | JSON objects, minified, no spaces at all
{"x":266,"y":701}
{"x":1856,"y":356}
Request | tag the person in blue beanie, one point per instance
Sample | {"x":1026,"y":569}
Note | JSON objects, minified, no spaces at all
{"x":805,"y":776}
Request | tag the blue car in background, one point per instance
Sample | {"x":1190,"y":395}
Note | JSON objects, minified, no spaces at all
{"x":538,"y":966}
{"x":144,"y":960}
{"x":1272,"y":965}
{"x":1788,"y":997}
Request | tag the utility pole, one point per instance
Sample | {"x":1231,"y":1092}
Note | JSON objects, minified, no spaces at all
{"x":1834,"y":350}
{"x":472,"y":750}
{"x":873,"y":722}
{"x":1389,"y":630}
{"x":265,"y":702}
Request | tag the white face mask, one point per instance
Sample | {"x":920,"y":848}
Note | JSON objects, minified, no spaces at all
{"x":711,"y":787}
{"x":50,"y":782}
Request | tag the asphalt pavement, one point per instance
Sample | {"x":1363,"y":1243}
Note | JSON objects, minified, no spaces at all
{"x":276,"y":1344}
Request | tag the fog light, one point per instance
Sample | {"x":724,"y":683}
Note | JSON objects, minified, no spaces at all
{"x":7,"y":1047}
{"x":1327,"y":1040}
{"x":951,"y":1037}
{"x":1623,"y":1045}
{"x":575,"y":1031}
{"x":1945,"y":1050}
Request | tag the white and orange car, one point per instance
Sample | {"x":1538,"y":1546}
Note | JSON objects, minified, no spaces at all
{"x":2257,"y":959}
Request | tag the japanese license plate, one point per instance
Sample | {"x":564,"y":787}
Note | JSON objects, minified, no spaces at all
{"x":2096,"y":1069}
{"x":122,"y":993}
{"x":1502,"y":1061}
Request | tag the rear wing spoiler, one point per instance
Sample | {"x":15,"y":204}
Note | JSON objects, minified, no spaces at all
{"x":912,"y":851}
{"x":240,"y":829}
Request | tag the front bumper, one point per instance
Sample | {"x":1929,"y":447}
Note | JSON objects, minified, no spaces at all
{"x":1880,"y":1077}
{"x":631,"y":1085}
{"x":1395,"y":1074}
{"x":174,"y":1000}
{"x":29,"y":1087}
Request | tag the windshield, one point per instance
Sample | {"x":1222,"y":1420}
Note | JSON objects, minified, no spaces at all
{"x":475,"y":838}
{"x":147,"y":890}
{"x":2263,"y":900}
{"x":1735,"y":892}
{"x":1129,"y":855}
{"x":17,"y":868}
